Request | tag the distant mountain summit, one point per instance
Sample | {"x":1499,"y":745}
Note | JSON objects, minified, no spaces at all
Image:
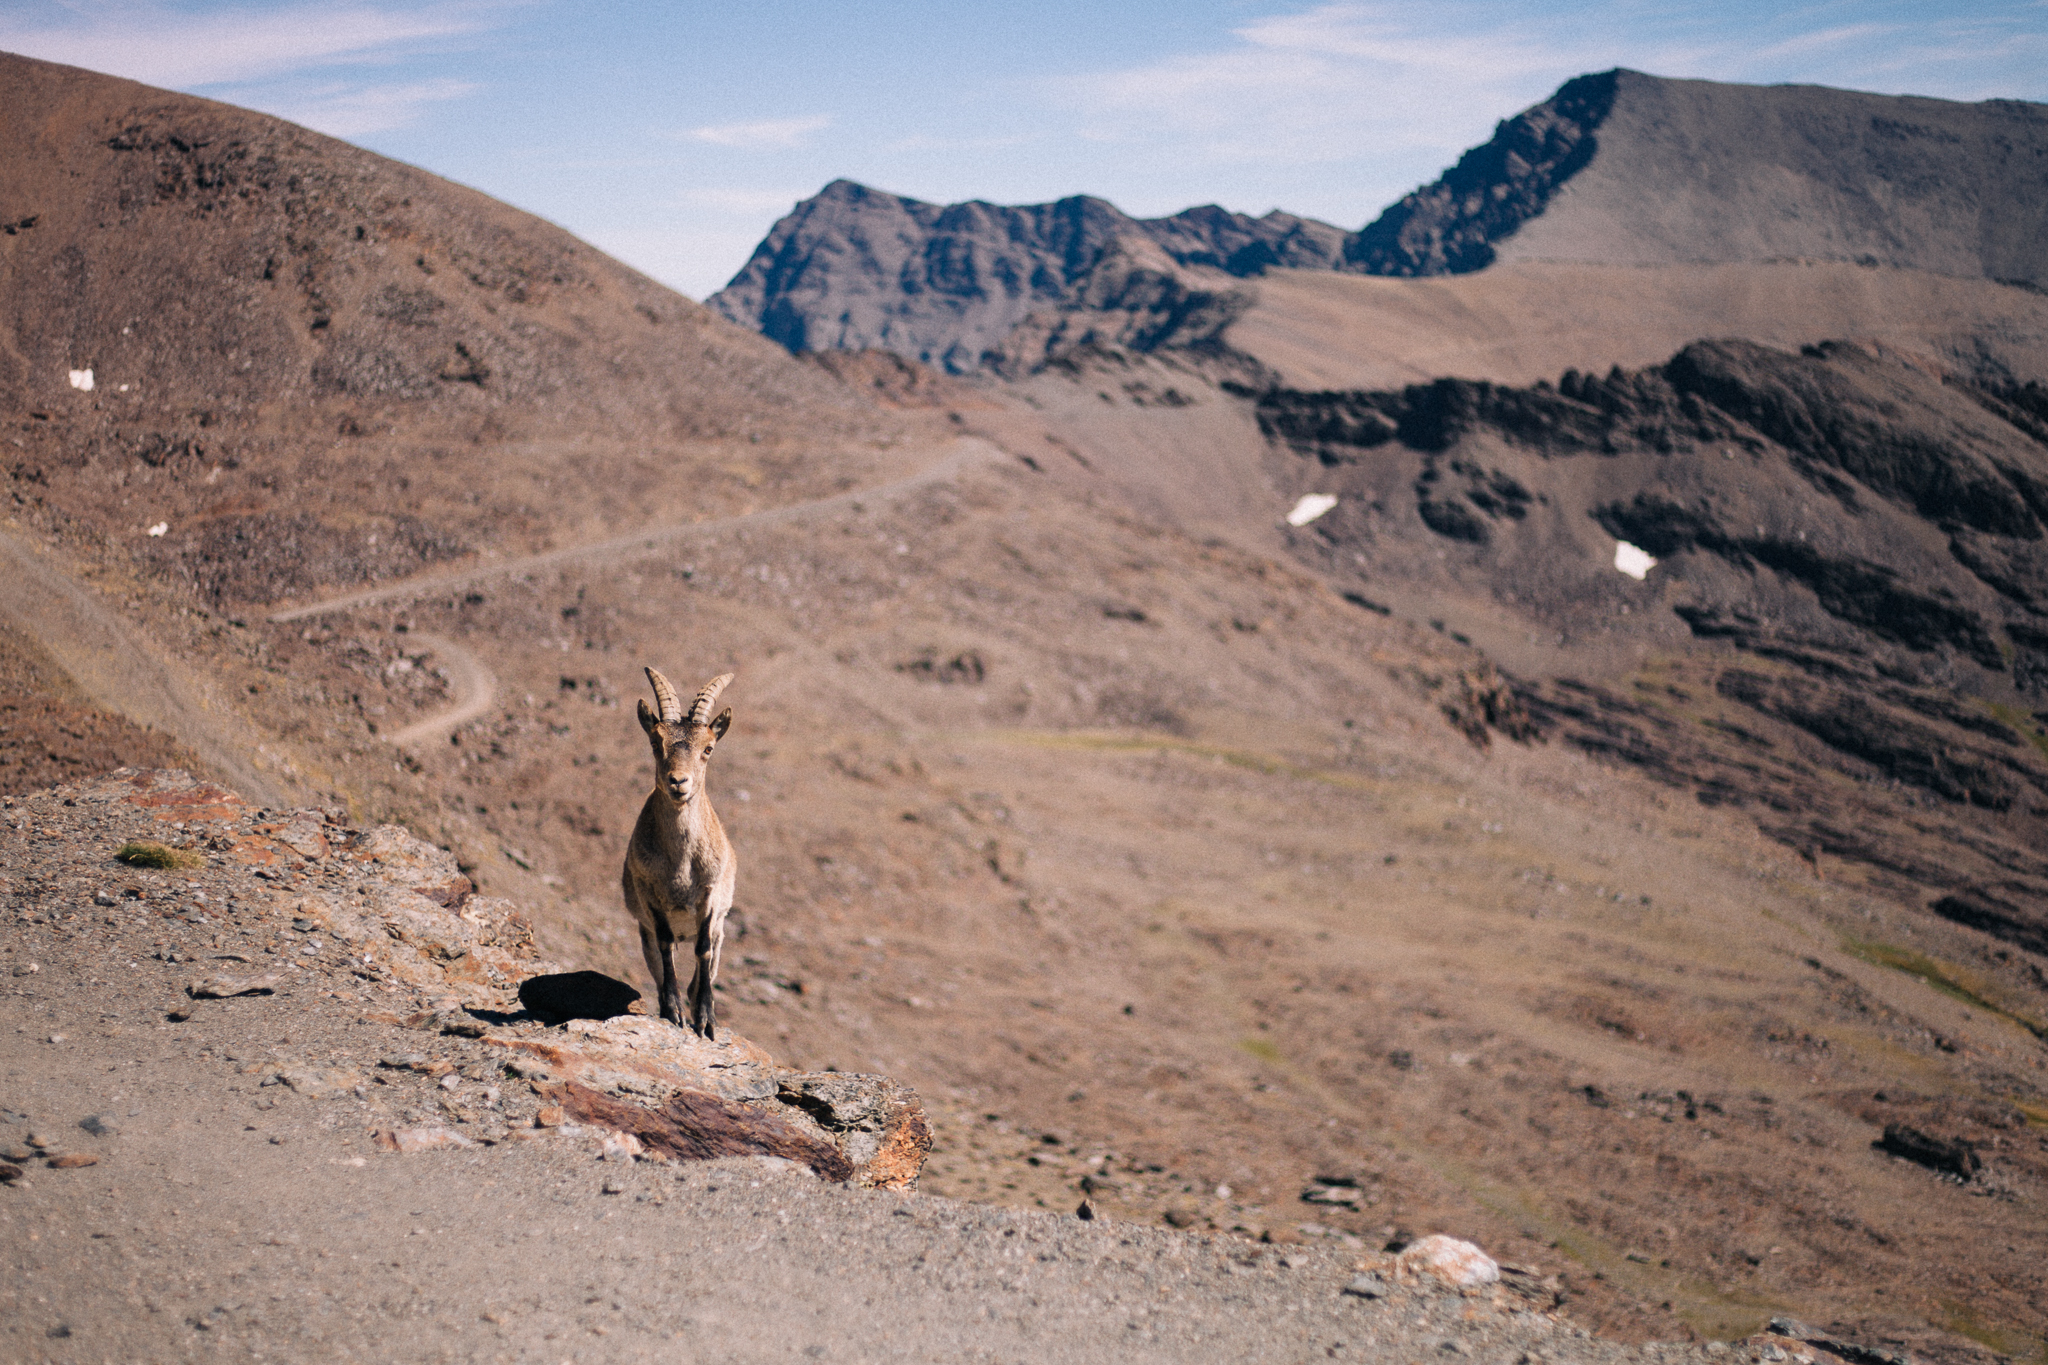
{"x":1627,"y":169}
{"x":1618,"y":168}
{"x":855,"y":268}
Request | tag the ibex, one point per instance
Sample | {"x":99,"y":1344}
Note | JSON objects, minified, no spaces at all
{"x":680,"y":867}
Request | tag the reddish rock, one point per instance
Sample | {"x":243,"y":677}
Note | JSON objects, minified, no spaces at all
{"x":695,"y":1126}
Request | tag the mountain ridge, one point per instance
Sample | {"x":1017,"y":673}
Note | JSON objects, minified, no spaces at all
{"x":1772,"y":173}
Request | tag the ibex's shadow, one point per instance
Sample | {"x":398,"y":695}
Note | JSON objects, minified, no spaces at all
{"x":563,"y":996}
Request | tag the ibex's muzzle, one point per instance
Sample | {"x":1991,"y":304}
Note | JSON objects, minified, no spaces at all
{"x":680,"y":787}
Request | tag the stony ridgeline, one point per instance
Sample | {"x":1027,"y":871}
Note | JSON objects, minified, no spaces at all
{"x":476,"y":1039}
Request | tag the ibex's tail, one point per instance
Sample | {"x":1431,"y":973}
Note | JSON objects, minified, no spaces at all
{"x":665,"y":695}
{"x":700,"y":710}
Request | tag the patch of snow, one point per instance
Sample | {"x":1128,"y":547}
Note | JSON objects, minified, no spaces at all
{"x":160,"y":528}
{"x":82,"y":379}
{"x":1632,"y":561}
{"x":1311,"y":506}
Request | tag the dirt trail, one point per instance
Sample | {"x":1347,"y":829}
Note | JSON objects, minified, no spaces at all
{"x":473,"y":684}
{"x":966,"y":451}
{"x":118,"y":671}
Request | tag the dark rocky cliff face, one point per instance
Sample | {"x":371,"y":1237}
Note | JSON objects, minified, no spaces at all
{"x":1450,"y":227}
{"x":856,"y":268}
{"x":1846,"y":631}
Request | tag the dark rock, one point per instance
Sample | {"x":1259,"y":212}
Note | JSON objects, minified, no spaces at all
{"x":97,"y":1125}
{"x":226,"y":987}
{"x":576,"y":995}
{"x":2023,"y":926}
{"x":1950,"y":1157}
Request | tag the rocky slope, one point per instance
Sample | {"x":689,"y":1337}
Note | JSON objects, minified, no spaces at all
{"x":1847,"y":600}
{"x":258,"y":904}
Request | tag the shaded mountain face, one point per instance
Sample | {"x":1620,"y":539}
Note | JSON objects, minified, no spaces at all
{"x":1618,"y":168}
{"x":1847,"y":622}
{"x":855,"y":268}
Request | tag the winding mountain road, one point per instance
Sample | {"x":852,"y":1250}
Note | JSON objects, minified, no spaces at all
{"x":474,"y":685}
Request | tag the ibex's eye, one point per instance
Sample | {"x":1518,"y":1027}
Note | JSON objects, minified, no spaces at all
{"x":707,"y":751}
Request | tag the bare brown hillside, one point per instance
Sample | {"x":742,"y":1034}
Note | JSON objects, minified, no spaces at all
{"x":1068,"y":785}
{"x":311,"y":365}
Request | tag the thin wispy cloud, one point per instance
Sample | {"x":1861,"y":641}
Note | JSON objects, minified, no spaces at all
{"x":358,"y":110}
{"x":763,"y":135}
{"x":163,"y":46}
{"x":1823,"y":40}
{"x":1326,"y":85}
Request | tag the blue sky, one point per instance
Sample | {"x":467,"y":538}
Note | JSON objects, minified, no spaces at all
{"x":673,"y":135}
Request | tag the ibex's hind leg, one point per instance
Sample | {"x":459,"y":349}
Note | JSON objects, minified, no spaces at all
{"x":703,"y":1009}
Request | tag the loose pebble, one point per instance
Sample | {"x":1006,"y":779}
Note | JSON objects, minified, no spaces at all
{"x":1367,"y":1287}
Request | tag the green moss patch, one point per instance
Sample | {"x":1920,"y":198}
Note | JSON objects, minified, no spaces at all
{"x":144,"y":853}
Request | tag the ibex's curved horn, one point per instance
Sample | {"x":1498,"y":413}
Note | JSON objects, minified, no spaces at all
{"x":700,"y":710}
{"x":665,"y":695}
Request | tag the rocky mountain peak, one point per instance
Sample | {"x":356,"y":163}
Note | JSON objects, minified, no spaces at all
{"x":854,"y":268}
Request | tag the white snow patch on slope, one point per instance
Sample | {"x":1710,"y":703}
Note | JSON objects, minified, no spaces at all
{"x":1311,"y":506}
{"x":1632,"y":561}
{"x":82,"y":379}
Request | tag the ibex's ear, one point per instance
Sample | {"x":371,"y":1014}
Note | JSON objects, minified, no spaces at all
{"x":718,"y":726}
{"x":648,"y":720}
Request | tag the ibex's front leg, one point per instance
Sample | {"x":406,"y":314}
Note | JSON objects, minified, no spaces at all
{"x":710,"y":942}
{"x":658,"y":946}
